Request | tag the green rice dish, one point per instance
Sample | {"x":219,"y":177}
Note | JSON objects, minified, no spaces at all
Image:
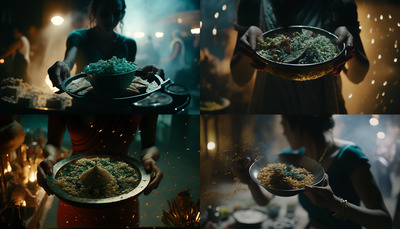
{"x":97,"y":178}
{"x":111,"y":66}
{"x":318,"y":48}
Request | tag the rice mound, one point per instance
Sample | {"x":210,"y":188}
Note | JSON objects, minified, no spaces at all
{"x":110,"y":67}
{"x":97,"y":178}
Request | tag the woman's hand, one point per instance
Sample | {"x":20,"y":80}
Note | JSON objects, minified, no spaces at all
{"x":150,"y":155}
{"x":150,"y":70}
{"x":58,"y":73}
{"x":344,"y":36}
{"x":241,"y":169}
{"x":46,"y":167}
{"x":248,"y":43}
{"x":322,"y":196}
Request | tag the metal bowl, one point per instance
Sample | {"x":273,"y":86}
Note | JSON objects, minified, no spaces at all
{"x":294,"y":159}
{"x":97,"y":203}
{"x":112,"y":83}
{"x":301,"y":72}
{"x":249,"y":217}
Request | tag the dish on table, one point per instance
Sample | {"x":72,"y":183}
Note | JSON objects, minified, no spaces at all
{"x":284,"y":182}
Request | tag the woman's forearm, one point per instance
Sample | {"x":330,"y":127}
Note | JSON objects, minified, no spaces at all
{"x":368,"y":218}
{"x":241,"y":69}
{"x":261,"y":196}
{"x":357,"y":68}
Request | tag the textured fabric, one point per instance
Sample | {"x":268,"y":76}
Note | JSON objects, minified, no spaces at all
{"x":125,"y":215}
{"x":112,"y":134}
{"x":274,"y":95}
{"x":339,"y":179}
{"x":89,"y":53}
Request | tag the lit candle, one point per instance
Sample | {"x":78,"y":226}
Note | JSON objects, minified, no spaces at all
{"x":32,"y":181}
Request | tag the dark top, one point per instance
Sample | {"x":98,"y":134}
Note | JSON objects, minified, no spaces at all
{"x":339,"y":180}
{"x":89,"y":53}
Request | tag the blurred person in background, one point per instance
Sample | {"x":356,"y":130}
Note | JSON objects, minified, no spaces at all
{"x":18,"y":52}
{"x":348,"y":179}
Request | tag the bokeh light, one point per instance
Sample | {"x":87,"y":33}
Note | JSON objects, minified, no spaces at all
{"x":57,"y":20}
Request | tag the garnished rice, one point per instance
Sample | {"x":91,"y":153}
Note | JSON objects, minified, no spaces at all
{"x":285,"y":176}
{"x":115,"y":178}
{"x":318,"y":47}
{"x":110,"y":67}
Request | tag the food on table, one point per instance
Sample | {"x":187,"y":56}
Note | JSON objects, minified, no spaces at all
{"x":110,"y":67}
{"x":303,"y":48}
{"x":210,"y":106}
{"x":97,"y":178}
{"x":285,"y":176}
{"x":15,"y":91}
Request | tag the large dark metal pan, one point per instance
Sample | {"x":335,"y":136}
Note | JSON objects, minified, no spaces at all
{"x":97,"y":203}
{"x":301,"y":72}
{"x":294,"y":159}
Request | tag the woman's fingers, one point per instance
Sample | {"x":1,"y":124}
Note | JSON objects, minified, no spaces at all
{"x":156,"y":175}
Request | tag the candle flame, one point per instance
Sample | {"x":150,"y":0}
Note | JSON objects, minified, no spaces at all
{"x":9,"y":169}
{"x":33,"y":177}
{"x":23,"y":203}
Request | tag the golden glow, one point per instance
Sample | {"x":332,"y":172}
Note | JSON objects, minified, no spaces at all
{"x":195,"y":30}
{"x":57,"y":20}
{"x":211,"y":146}
{"x":1,"y":61}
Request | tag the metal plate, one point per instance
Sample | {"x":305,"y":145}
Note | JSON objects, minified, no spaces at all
{"x":294,"y":159}
{"x":95,"y":97}
{"x":97,"y":203}
{"x":301,"y":72}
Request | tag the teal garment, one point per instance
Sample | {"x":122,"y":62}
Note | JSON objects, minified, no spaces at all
{"x":339,"y":179}
{"x":89,"y":53}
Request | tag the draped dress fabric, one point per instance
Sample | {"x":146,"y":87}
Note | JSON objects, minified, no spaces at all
{"x":339,"y":179}
{"x":106,"y":134}
{"x":324,"y":95}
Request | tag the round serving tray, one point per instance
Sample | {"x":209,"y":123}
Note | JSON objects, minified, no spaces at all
{"x":294,"y":159}
{"x":97,"y":203}
{"x":97,"y":97}
{"x":301,"y":72}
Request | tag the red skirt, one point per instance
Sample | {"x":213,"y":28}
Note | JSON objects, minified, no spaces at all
{"x":123,"y":215}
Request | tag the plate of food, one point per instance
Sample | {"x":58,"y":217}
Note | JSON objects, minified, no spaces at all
{"x":94,"y":180}
{"x":299,"y":53}
{"x":218,"y":105}
{"x":249,"y":217}
{"x":286,"y":174}
{"x":112,"y":79}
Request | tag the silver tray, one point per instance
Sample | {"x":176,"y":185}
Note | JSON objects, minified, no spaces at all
{"x":97,"y":203}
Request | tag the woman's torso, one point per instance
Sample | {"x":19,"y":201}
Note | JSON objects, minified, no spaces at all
{"x":339,"y":172}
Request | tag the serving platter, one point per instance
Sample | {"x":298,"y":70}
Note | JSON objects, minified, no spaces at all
{"x":296,"y":160}
{"x":126,"y":95}
{"x":301,"y":72}
{"x":97,"y":203}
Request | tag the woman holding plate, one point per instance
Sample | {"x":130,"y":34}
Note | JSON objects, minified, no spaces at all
{"x":348,"y":180}
{"x":278,"y":96}
{"x":111,"y":134}
{"x":100,"y":42}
